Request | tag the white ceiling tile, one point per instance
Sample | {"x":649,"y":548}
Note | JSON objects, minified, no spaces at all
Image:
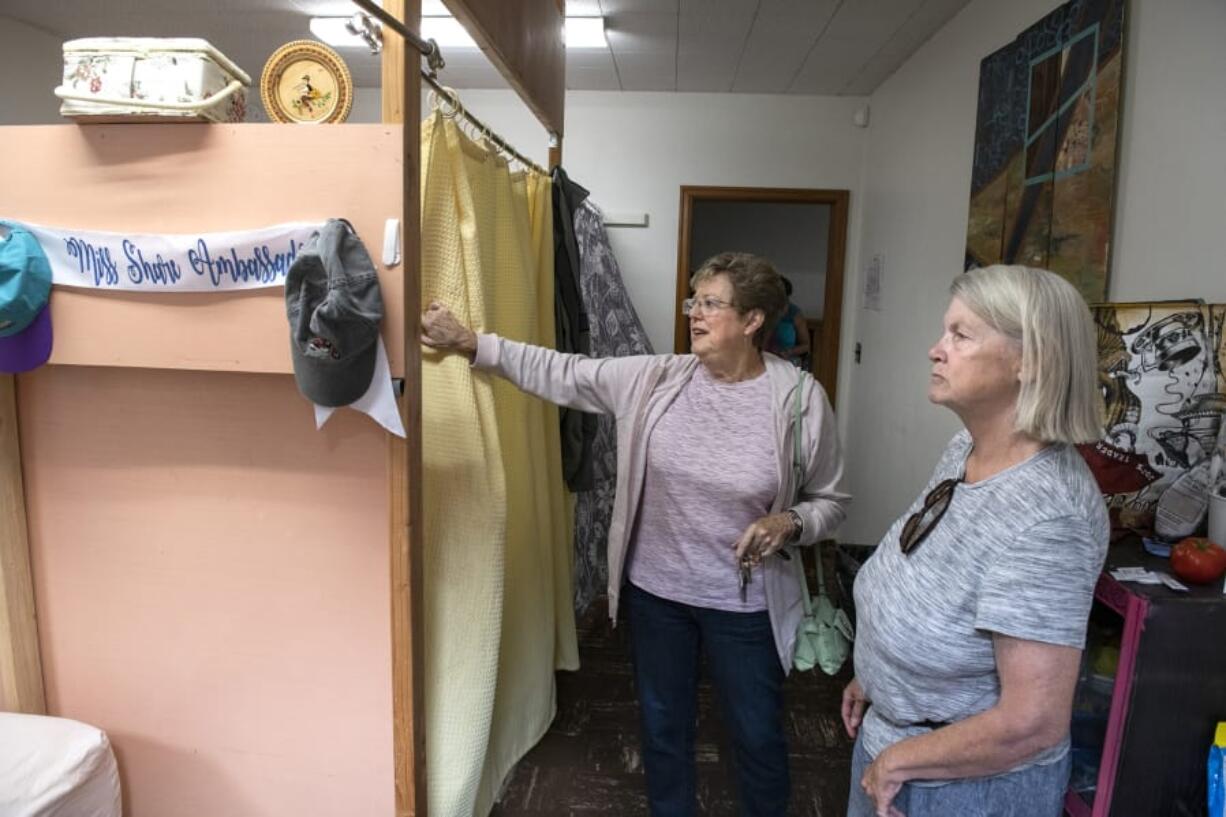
{"x":705,"y":72}
{"x":782,"y":36}
{"x":715,"y":25}
{"x":830,"y":66}
{"x":647,"y":72}
{"x":583,"y":8}
{"x":340,"y":8}
{"x":939,"y":12}
{"x":592,"y":79}
{"x":589,"y":59}
{"x":641,"y":33}
{"x":871,"y":20}
{"x":856,"y":32}
{"x":764,"y":79}
{"x":884,"y":63}
{"x":658,"y":44}
{"x":614,"y":7}
{"x":715,"y":8}
{"x":811,"y":15}
{"x":917,"y":30}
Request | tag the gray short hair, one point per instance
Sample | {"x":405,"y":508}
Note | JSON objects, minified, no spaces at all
{"x":756,"y":284}
{"x":1059,"y":399}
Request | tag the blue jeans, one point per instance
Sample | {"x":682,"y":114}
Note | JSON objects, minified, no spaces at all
{"x":667,"y":639}
{"x":1037,"y":791}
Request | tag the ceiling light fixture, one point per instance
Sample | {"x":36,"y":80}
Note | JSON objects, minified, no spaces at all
{"x":447,"y":32}
{"x":585,"y":32}
{"x":361,"y":31}
{"x":356,"y":31}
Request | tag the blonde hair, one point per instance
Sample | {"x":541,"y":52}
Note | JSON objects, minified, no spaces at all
{"x":1059,"y":399}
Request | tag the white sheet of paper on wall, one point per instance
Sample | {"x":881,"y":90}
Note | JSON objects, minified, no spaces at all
{"x":874,"y":274}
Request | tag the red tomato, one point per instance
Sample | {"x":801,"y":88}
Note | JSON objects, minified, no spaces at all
{"x":1197,"y":560}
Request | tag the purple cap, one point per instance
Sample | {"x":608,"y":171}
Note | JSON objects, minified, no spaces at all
{"x":29,"y":348}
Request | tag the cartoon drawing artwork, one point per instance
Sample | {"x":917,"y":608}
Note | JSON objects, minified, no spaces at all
{"x":1161,"y":375}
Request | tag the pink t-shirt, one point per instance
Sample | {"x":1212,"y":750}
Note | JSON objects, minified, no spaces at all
{"x":712,"y":469}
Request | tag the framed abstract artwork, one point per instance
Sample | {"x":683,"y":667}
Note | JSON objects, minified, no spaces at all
{"x":1043,"y":177}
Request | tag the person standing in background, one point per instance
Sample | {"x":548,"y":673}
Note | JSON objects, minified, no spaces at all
{"x":790,"y":339}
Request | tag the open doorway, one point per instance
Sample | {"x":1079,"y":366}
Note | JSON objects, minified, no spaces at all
{"x":803,"y":232}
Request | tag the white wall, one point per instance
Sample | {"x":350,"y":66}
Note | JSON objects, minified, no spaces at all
{"x":634,"y":151}
{"x":367,"y":105}
{"x":33,"y":66}
{"x":1169,"y":215}
{"x":793,"y":236}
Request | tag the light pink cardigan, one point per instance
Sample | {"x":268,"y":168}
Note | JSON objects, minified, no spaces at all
{"x":637,"y":391}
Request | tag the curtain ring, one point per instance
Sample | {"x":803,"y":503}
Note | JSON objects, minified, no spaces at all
{"x":446,"y":104}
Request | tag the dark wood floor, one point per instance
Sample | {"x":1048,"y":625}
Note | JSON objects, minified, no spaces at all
{"x":589,"y":761}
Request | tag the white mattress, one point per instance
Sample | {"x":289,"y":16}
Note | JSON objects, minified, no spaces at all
{"x":55,"y":767}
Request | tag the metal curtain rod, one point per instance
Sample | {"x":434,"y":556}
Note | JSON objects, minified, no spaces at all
{"x":428,"y":48}
{"x":434,"y":58}
{"x":486,"y":131}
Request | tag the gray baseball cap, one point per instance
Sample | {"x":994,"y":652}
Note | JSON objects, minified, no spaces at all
{"x":334,"y":307}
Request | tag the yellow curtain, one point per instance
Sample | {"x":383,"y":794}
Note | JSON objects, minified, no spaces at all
{"x":497,"y":530}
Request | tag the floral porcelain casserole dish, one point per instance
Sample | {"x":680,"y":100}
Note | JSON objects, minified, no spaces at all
{"x":125,"y":79}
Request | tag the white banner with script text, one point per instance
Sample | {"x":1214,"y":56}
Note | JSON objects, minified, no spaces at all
{"x":204,"y":262}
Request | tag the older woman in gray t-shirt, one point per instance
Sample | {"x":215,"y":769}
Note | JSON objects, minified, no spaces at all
{"x":973,"y":609}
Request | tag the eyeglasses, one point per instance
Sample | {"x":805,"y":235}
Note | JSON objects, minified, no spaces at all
{"x":691,"y":305}
{"x":921,"y":523}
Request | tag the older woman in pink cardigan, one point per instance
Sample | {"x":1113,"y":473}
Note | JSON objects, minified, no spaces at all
{"x":706,"y":512}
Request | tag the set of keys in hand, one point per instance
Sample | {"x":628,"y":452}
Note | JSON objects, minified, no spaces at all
{"x":745,"y":572}
{"x":746,"y":575}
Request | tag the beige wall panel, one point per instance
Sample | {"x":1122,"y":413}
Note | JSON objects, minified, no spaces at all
{"x":211,"y":575}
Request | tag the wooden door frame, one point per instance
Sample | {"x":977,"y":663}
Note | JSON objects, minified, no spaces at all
{"x":825,"y":364}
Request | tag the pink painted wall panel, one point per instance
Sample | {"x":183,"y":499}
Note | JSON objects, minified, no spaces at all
{"x":185,"y":178}
{"x":211,"y":581}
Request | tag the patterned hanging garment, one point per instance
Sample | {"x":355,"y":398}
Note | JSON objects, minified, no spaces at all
{"x":616,"y":331}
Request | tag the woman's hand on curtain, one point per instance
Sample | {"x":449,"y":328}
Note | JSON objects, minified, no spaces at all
{"x":440,"y":329}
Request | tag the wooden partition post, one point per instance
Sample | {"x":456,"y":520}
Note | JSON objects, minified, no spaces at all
{"x":21,"y":674}
{"x":402,"y":103}
{"x":393,"y":66}
{"x":555,"y":141}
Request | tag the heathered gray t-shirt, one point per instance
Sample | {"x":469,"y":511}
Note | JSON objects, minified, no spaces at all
{"x":712,"y":469}
{"x":1017,"y":554}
